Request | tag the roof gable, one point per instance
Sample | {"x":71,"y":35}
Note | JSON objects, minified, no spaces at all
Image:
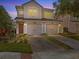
{"x":32,"y":1}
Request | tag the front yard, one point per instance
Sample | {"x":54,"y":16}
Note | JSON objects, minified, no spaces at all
{"x":15,"y":47}
{"x":17,"y":44}
{"x":71,"y":35}
{"x":76,"y":37}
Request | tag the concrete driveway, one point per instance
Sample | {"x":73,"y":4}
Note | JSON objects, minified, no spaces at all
{"x":41,"y":45}
{"x":44,"y":50}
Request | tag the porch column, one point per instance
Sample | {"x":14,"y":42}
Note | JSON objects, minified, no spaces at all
{"x":60,"y":28}
{"x":44,"y":28}
{"x":25,"y":28}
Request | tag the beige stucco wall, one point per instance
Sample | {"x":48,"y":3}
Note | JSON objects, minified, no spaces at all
{"x":39,"y":27}
{"x":30,"y":5}
{"x":22,"y":11}
{"x":51,"y":16}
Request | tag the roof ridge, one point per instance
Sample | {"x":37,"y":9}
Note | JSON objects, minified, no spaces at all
{"x":36,"y":3}
{"x":33,"y":1}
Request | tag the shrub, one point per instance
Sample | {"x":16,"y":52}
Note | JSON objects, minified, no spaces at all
{"x":65,"y":29}
{"x":21,"y":38}
{"x":4,"y":39}
{"x":44,"y":34}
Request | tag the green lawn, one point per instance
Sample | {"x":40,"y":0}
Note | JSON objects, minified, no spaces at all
{"x":15,"y":47}
{"x":76,"y":37}
{"x":53,"y":40}
{"x":70,"y":35}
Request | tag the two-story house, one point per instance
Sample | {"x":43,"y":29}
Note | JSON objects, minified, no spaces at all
{"x":34,"y":19}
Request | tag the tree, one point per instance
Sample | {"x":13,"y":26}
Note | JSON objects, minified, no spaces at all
{"x":64,"y":7}
{"x":75,"y":8}
{"x":70,"y":7}
{"x":6,"y":25}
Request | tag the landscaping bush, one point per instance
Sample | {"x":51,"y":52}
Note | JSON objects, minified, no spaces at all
{"x":66,"y":29}
{"x":6,"y":35}
{"x":21,"y":38}
{"x":19,"y":44}
{"x":44,"y":34}
{"x":4,"y":39}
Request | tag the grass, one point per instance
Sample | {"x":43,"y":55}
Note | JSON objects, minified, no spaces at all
{"x":76,"y":37}
{"x":53,"y":40}
{"x":15,"y":47}
{"x":71,"y":35}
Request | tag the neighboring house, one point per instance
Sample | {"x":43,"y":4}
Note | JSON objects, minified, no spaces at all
{"x":34,"y":19}
{"x":70,"y":22}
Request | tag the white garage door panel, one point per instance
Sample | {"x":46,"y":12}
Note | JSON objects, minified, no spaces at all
{"x":34,"y":29}
{"x":52,"y":29}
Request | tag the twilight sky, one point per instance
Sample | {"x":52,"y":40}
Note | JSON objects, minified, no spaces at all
{"x":10,"y":5}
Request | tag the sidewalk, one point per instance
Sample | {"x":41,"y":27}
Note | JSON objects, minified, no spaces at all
{"x":56,"y":55}
{"x":71,"y":42}
{"x":12,"y":55}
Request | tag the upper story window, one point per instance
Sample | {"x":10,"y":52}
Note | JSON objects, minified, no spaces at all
{"x":48,"y":14}
{"x":32,"y":12}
